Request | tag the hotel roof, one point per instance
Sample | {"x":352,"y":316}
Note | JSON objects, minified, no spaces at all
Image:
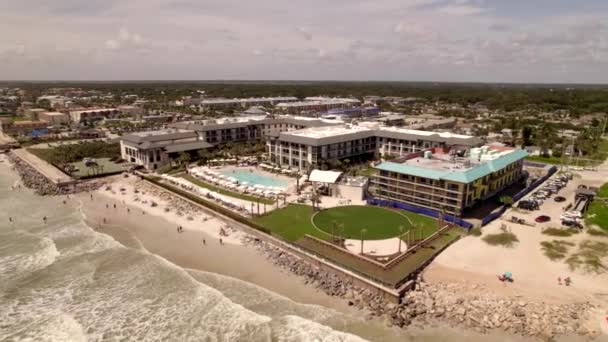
{"x":156,"y":136}
{"x":461,"y":175}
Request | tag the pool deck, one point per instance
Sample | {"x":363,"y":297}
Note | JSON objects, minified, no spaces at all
{"x":226,"y":170}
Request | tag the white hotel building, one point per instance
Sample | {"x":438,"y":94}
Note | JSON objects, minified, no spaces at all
{"x":312,"y":146}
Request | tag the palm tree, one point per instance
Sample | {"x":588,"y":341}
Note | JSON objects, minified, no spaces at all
{"x":363,"y":231}
{"x":183,"y":158}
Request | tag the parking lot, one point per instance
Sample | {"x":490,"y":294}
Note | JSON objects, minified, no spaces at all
{"x":548,"y":206}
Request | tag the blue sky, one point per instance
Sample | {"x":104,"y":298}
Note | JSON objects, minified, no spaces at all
{"x":551,"y":41}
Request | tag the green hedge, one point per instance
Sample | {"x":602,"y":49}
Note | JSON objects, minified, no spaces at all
{"x":211,"y":205}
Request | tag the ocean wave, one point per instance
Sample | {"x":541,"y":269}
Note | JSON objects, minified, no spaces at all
{"x":22,"y":253}
{"x":294,"y":328}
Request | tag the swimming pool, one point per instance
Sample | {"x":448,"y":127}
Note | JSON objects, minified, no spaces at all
{"x":253,"y":178}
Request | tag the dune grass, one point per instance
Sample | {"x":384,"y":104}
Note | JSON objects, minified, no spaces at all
{"x":589,"y":256}
{"x":560,"y":232}
{"x":556,"y":249}
{"x":504,"y":239}
{"x":597,"y":232}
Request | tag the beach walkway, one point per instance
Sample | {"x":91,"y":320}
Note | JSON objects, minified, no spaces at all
{"x":47,"y":170}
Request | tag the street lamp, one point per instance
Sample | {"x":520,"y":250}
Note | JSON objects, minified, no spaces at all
{"x":363,"y":231}
{"x":400,"y":235}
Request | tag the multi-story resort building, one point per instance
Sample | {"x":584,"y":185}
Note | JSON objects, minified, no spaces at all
{"x":312,"y":146}
{"x":231,"y":130}
{"x":155,"y":149}
{"x":447,"y":180}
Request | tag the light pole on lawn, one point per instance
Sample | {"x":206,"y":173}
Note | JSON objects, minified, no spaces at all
{"x":363,"y":231}
{"x":400,"y":236}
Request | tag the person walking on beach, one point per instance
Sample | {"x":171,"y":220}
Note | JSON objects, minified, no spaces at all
{"x":44,"y":219}
{"x":128,"y":210}
{"x":107,"y":206}
{"x":104,"y":220}
{"x":204,"y":242}
{"x":10,"y":219}
{"x":91,"y":197}
{"x":114,"y":205}
{"x":221,"y":241}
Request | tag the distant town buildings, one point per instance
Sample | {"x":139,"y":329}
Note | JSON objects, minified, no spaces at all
{"x":24,"y":128}
{"x":54,"y":118}
{"x":92,"y":114}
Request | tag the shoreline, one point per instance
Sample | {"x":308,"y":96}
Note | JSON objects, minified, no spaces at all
{"x":426,"y":306}
{"x":158,"y":235}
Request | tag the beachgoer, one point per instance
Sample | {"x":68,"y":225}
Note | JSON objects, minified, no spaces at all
{"x":44,"y":219}
{"x":204,"y":242}
{"x":63,"y":201}
{"x":559,"y":280}
{"x":107,"y":206}
{"x":104,"y":220}
{"x":114,"y":205}
{"x":128,"y":210}
{"x":221,"y":242}
{"x":91,"y":197}
{"x":10,"y":219}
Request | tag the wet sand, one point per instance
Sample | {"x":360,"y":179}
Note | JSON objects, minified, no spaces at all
{"x":186,"y":249}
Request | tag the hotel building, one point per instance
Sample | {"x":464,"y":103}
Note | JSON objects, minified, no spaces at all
{"x":314,"y":145}
{"x":439,"y":179}
{"x":155,"y":149}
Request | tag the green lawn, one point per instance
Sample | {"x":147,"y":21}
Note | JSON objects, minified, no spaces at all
{"x":224,"y":191}
{"x":294,"y":221}
{"x":547,"y":160}
{"x":380,"y":223}
{"x":290,"y":222}
{"x":597,"y":213}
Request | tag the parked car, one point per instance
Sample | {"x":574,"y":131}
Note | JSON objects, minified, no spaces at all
{"x":559,"y":199}
{"x":542,"y":218}
{"x":572,"y":223}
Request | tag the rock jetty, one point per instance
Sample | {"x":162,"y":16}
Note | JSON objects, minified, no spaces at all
{"x":43,"y":186}
{"x":452,"y":304}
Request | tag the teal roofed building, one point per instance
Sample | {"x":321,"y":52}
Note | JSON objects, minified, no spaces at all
{"x":451,"y":181}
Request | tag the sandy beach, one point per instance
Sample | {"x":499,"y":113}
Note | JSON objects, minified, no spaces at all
{"x":473,"y":262}
{"x":156,"y":231}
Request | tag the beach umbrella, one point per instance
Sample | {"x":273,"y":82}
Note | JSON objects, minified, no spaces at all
{"x":245,"y":183}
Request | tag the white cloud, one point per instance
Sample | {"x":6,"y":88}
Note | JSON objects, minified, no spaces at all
{"x":452,"y":40}
{"x":123,"y":34}
{"x":112,"y":44}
